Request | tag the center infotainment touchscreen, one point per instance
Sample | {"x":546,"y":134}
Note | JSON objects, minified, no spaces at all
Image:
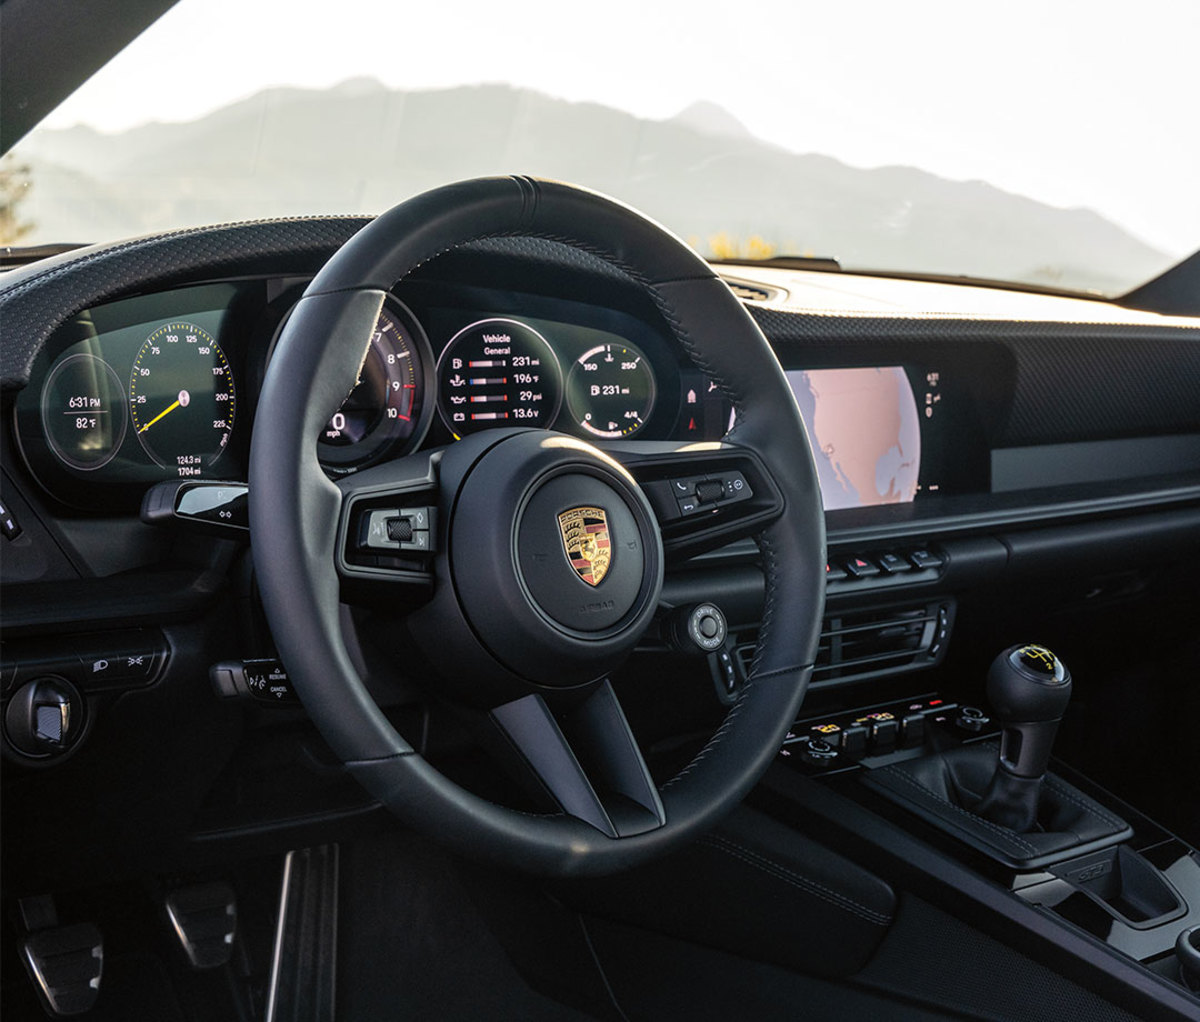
{"x":865,"y":429}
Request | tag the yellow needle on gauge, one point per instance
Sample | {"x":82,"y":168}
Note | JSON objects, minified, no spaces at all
{"x":179,"y":402}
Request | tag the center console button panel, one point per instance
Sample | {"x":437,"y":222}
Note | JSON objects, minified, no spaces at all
{"x":855,"y":736}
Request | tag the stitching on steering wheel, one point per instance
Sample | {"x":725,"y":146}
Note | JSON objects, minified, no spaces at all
{"x":772,"y":579}
{"x":666,"y":310}
{"x":728,"y":721}
{"x":715,"y":740}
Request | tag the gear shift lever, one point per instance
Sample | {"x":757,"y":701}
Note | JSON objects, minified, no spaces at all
{"x":1028,"y":687}
{"x":1026,"y":818}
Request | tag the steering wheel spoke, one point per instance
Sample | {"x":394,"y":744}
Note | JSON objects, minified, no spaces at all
{"x":704,"y":495}
{"x":585,"y":759}
{"x":387,"y":529}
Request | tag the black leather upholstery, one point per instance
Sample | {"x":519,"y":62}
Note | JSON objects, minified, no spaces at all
{"x":943,"y":788}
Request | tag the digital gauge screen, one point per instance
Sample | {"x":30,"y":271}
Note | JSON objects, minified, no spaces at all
{"x":498,"y":372}
{"x":130,"y":393}
{"x":83,"y":411}
{"x":610,"y":391}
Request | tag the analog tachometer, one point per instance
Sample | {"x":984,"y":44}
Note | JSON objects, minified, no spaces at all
{"x":386,"y":410}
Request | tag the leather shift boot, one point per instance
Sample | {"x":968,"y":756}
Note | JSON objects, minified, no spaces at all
{"x":946,"y":788}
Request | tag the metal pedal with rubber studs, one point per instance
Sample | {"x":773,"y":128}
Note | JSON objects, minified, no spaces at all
{"x":65,"y":963}
{"x":204,"y":918}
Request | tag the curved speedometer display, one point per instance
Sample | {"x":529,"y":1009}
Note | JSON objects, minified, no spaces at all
{"x":498,"y":372}
{"x":181,"y":398}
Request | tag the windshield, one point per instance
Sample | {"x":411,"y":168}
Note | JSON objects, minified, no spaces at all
{"x":1029,"y":142}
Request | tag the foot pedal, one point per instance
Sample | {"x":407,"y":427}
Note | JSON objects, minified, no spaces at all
{"x":66,"y":964}
{"x":205,"y":919}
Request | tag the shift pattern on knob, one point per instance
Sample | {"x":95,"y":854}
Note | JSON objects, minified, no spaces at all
{"x":1039,"y":659}
{"x":1028,"y":683}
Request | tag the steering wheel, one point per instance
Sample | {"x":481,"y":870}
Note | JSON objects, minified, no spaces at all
{"x":514,"y":627}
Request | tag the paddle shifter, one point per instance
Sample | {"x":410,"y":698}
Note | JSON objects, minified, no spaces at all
{"x":1028,"y":687}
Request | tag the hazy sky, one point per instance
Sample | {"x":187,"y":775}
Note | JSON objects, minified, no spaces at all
{"x":1073,"y":103}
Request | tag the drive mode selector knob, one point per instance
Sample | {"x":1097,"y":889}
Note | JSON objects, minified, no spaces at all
{"x":699,"y":629}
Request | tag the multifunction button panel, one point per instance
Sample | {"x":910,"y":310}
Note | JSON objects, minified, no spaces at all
{"x":406,"y":529}
{"x":693,"y":495}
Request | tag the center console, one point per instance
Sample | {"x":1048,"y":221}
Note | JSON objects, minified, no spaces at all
{"x":977,"y":789}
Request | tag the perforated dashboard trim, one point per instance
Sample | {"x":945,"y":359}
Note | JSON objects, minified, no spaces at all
{"x":1074,"y":381}
{"x":37,"y":299}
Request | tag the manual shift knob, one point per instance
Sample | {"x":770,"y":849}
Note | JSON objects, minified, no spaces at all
{"x":1029,"y":688}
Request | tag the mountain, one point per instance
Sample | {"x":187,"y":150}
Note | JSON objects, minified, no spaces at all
{"x":711,"y":119}
{"x":361,"y":147}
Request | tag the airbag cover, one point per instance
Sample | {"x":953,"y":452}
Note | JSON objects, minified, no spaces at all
{"x":579,"y":553}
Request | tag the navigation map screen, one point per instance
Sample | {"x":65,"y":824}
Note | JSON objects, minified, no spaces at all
{"x":865,"y":429}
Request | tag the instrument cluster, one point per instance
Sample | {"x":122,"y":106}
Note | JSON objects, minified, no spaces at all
{"x":163,"y":386}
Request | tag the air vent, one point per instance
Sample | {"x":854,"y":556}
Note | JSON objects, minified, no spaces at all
{"x":752,"y":292}
{"x":871,"y":643}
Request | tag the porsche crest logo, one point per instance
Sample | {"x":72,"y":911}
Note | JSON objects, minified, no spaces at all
{"x":588,"y":547}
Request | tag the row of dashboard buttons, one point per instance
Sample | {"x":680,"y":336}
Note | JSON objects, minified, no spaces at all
{"x":888,"y":563}
{"x":847,"y":738}
{"x":121,"y":660}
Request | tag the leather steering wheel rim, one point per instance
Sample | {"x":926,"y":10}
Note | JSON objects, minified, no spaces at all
{"x":295,"y":509}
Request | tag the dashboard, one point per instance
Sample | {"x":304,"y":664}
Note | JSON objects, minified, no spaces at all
{"x":957,"y":418}
{"x":973,"y":468}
